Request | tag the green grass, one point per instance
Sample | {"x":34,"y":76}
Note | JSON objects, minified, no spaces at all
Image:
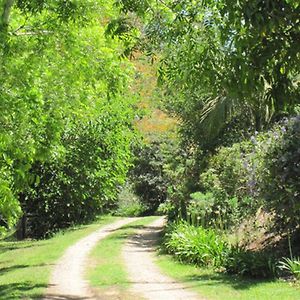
{"x":25,"y":266}
{"x":107,"y":271}
{"x":218,"y":286}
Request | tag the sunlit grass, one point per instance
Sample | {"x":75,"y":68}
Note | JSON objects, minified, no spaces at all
{"x":25,"y":266}
{"x":107,"y":270}
{"x":217,"y":286}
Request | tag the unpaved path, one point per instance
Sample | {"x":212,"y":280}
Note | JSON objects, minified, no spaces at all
{"x":146,"y":278}
{"x":67,"y":280}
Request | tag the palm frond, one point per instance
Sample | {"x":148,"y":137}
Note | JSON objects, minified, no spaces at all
{"x":217,"y":111}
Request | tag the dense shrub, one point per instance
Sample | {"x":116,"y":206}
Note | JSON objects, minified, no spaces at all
{"x":66,"y":114}
{"x":129,"y":204}
{"x":196,"y":245}
{"x":199,"y":209}
{"x":208,"y":210}
{"x":262,"y":172}
{"x":205,"y":247}
{"x":282,"y":185}
{"x":149,"y":180}
{"x":78,"y":185}
{"x":248,"y":263}
{"x":167,"y":208}
{"x":242,"y":177}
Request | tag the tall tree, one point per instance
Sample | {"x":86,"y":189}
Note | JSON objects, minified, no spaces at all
{"x":62,"y":85}
{"x":223,"y":60}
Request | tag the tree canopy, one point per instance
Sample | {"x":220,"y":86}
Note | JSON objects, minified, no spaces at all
{"x":66,"y":111}
{"x":224,"y":60}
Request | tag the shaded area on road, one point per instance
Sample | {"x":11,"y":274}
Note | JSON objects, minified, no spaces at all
{"x":145,"y":277}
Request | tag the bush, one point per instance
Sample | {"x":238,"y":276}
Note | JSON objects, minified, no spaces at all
{"x":248,"y":263}
{"x":147,"y":175}
{"x":129,"y":204}
{"x":167,"y":208}
{"x":64,"y":125}
{"x":79,"y":183}
{"x":204,"y":247}
{"x":209,"y":211}
{"x":199,"y":209}
{"x":290,"y":265}
{"x":282,"y":185}
{"x":195,"y":245}
{"x":243,"y":176}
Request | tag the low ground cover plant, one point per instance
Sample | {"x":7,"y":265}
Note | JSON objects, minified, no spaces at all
{"x":291,"y":266}
{"x":250,"y":263}
{"x":197,"y":245}
{"x":205,"y":247}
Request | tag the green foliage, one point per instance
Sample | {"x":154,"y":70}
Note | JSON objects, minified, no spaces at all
{"x":239,"y":176}
{"x":209,"y":210}
{"x":129,"y":204}
{"x":230,"y":72}
{"x":166,"y":208}
{"x":81,"y":184}
{"x":240,"y":179}
{"x":200,"y":208}
{"x":281,"y":186}
{"x":9,"y":205}
{"x":182,"y":171}
{"x":249,"y":263}
{"x":160,"y":173}
{"x":221,"y":61}
{"x":204,"y":247}
{"x":292,"y":265}
{"x":148,"y":176}
{"x":195,"y":245}
{"x":66,"y":114}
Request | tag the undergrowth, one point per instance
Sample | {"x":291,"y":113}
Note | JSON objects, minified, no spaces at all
{"x":210,"y":248}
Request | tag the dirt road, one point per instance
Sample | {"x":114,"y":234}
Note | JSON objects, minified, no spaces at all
{"x":146,"y":278}
{"x":67,"y":280}
{"x":68,"y":283}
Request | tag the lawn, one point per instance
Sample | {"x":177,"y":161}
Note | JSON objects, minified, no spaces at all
{"x":107,"y":272}
{"x":25,"y":266}
{"x":25,"y":269}
{"x":217,"y":286}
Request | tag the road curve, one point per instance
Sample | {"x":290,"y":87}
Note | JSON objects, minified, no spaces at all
{"x":67,"y":280}
{"x":145,"y":277}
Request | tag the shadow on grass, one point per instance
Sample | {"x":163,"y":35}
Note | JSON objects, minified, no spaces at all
{"x":6,"y":270}
{"x":120,"y":236}
{"x":236,"y":282}
{"x":126,"y":227}
{"x":213,"y":278}
{"x":4,"y":247}
{"x":15,"y":291}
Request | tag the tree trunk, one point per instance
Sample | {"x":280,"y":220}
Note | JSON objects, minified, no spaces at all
{"x":6,"y":10}
{"x":21,"y":228}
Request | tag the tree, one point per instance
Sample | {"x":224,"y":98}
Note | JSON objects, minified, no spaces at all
{"x":60,"y":78}
{"x":225,"y":60}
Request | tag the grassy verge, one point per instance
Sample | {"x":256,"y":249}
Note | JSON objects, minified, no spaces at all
{"x":25,"y":266}
{"x":107,"y":272}
{"x":217,"y":286}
